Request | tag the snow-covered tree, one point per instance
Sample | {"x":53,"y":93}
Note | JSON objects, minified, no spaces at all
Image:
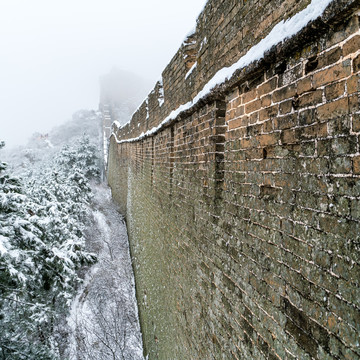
{"x":41,"y":248}
{"x":83,"y":157}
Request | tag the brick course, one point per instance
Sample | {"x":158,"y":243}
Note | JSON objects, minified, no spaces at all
{"x":243,"y":214}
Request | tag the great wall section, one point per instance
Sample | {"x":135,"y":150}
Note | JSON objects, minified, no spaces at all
{"x":241,"y":186}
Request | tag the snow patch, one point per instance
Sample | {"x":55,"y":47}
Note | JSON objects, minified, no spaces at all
{"x":190,"y":33}
{"x":104,"y":316}
{"x":105,"y":150}
{"x":147,"y":108}
{"x":3,"y":243}
{"x":191,"y":70}
{"x":137,"y":109}
{"x":48,"y":142}
{"x":161,"y":97}
{"x":204,"y":42}
{"x":117,"y":124}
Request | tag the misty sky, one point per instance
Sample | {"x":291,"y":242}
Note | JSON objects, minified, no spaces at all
{"x":52,"y":53}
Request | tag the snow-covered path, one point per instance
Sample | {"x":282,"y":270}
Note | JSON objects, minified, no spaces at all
{"x":104,"y":318}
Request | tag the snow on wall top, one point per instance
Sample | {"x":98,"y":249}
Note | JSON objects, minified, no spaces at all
{"x":166,"y":103}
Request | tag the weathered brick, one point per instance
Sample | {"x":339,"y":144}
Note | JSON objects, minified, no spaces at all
{"x":307,"y":149}
{"x":329,"y":57}
{"x":334,"y":73}
{"x":328,"y":224}
{"x":307,"y":117}
{"x":349,"y":335}
{"x":290,"y":75}
{"x":339,"y":125}
{"x":268,"y":126}
{"x":312,"y":131}
{"x":351,"y":45}
{"x":239,"y":111}
{"x":268,"y":139}
{"x":353,"y":84}
{"x":237,"y":102}
{"x":284,"y":93}
{"x":254,"y":117}
{"x":343,"y":145}
{"x":288,"y":137}
{"x":356,"y":165}
{"x":333,"y":109}
{"x":232,"y":124}
{"x":267,"y":87}
{"x":233,"y":95}
{"x":265,"y":101}
{"x":285,"y":122}
{"x":356,"y":64}
{"x":355,"y":208}
{"x":285,"y":107}
{"x":334,"y":91}
{"x":354,"y":103}
{"x":249,"y":96}
{"x":340,"y":165}
{"x":323,"y":147}
{"x":268,"y":112}
{"x":252,"y":106}
{"x":304,"y":85}
{"x":356,"y":122}
{"x":311,"y":98}
{"x":230,"y":114}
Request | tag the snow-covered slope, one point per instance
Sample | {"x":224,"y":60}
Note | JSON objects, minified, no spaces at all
{"x":104,"y":320}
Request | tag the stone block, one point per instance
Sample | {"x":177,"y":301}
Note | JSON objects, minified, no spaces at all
{"x":332,"y":110}
{"x":334,"y":73}
{"x":352,"y":45}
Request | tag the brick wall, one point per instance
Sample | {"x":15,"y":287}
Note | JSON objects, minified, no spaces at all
{"x":244,"y":212}
{"x":224,"y":32}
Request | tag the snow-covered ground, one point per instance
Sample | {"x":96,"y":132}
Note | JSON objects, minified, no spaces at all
{"x":104,"y":317}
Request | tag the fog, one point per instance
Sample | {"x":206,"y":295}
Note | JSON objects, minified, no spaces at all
{"x":52,"y":54}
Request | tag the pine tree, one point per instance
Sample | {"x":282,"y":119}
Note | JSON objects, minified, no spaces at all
{"x":41,"y":249}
